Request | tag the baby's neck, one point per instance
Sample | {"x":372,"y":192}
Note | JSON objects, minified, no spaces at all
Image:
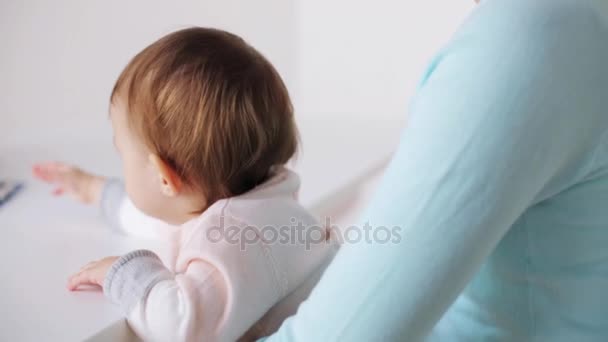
{"x":186,"y":208}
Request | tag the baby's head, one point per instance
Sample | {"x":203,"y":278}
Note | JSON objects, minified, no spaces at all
{"x":198,"y":116}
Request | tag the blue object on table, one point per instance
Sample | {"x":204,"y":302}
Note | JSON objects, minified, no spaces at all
{"x":8,"y":189}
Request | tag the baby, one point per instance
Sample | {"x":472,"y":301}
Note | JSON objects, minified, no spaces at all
{"x":204,"y":125}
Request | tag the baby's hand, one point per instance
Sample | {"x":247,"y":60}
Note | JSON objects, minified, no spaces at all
{"x":92,"y":273}
{"x":70,"y":179}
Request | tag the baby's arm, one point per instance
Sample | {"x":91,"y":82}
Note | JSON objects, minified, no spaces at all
{"x":122,"y":215}
{"x":164,"y":306}
{"x":86,"y":187}
{"x":161,"y":305}
{"x":72,"y":180}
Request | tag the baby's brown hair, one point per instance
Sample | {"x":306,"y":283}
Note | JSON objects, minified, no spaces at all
{"x":212,"y":107}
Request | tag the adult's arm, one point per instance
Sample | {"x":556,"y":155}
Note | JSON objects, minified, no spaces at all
{"x":509,"y":114}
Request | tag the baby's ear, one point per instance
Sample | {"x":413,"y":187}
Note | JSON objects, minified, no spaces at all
{"x":168,"y":179}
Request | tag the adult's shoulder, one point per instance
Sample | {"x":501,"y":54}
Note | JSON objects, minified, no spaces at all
{"x":538,"y":20}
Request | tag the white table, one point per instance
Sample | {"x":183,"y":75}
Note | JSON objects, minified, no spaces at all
{"x":46,"y":239}
{"x":43,"y":242}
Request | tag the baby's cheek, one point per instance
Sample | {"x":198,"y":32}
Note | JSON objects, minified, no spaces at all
{"x":139,"y":197}
{"x":142,"y":193}
{"x":133,"y":186}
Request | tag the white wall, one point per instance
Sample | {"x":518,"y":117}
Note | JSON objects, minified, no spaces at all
{"x":362,"y":59}
{"x":59,"y":59}
{"x":351,"y":66}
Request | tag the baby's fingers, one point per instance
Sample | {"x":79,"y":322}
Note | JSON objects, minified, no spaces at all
{"x":50,"y":171}
{"x":58,"y":191}
{"x":84,"y":277}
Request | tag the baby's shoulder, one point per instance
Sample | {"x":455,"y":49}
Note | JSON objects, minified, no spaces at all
{"x":237,"y":223}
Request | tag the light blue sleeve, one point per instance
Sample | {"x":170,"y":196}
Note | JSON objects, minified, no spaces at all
{"x":510,"y":113}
